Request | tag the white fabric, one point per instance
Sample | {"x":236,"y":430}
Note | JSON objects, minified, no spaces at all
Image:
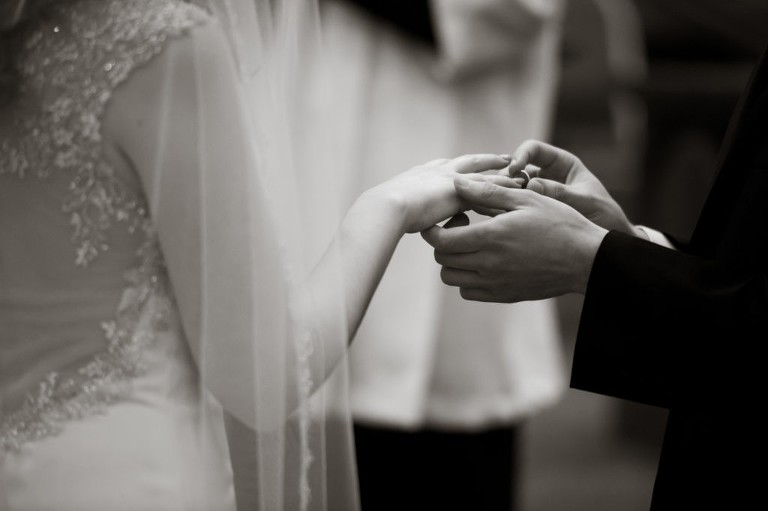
{"x":423,"y":356}
{"x":265,"y":341}
{"x":163,"y":448}
{"x":205,"y":133}
{"x":113,"y":439}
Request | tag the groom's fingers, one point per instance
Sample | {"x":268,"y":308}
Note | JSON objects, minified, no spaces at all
{"x":535,"y":152}
{"x":470,"y":261}
{"x":462,"y":278}
{"x":456,"y":240}
{"x":563,"y":193}
{"x":477,"y":294}
{"x":479,"y":162}
{"x":553,"y":162}
{"x":551,"y":189}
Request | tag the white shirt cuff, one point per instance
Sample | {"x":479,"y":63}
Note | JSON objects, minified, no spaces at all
{"x":657,"y":237}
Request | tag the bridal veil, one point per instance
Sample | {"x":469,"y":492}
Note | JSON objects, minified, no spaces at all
{"x":261,"y":214}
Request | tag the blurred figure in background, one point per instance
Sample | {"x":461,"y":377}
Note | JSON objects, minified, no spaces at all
{"x":441,"y":386}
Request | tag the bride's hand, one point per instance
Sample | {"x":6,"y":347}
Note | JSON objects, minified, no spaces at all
{"x":425,"y":195}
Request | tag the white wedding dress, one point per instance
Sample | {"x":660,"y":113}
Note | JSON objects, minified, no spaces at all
{"x":101,"y":406}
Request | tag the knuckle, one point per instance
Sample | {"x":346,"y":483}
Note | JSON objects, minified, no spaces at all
{"x":556,"y":192}
{"x":488,"y":191}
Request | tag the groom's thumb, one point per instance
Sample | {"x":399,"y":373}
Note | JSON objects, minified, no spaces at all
{"x":563,"y":193}
{"x":552,"y":189}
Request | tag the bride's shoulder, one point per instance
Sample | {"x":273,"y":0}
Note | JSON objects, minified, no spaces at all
{"x":137,"y":14}
{"x":189,"y":45}
{"x":133,"y":19}
{"x":117,"y":30}
{"x":77,"y":42}
{"x":134,"y":26}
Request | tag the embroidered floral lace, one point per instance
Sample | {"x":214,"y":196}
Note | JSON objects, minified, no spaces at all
{"x":63,"y":135}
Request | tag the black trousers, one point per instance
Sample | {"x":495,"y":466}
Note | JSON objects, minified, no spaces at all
{"x":431,"y":470}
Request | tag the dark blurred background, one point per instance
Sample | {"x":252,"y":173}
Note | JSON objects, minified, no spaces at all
{"x":647,"y":91}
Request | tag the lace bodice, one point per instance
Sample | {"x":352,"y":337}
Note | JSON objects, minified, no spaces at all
{"x":64,"y":132}
{"x":72,"y":59}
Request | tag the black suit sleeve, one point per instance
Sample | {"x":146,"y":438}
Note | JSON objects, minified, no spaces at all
{"x":660,"y":326}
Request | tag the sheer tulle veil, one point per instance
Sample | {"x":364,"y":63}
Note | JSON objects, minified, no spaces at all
{"x":270,"y":350}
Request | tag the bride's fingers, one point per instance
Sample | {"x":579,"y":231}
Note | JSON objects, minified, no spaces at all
{"x":488,"y":195}
{"x":498,"y":179}
{"x":479,"y":162}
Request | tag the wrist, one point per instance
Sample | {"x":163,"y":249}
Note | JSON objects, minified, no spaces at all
{"x":382,"y":208}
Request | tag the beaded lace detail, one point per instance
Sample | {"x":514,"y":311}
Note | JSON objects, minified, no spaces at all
{"x":64,"y":135}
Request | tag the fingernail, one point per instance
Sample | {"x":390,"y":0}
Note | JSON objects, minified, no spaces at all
{"x":506,"y":157}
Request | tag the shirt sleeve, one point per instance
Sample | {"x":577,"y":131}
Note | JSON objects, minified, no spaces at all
{"x":657,"y":237}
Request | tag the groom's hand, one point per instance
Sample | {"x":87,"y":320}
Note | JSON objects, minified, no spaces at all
{"x":538,"y":248}
{"x":560,"y":175}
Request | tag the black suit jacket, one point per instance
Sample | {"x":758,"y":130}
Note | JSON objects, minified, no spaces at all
{"x":688,"y":330}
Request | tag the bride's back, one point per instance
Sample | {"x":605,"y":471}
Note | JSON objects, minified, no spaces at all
{"x":86,"y":310}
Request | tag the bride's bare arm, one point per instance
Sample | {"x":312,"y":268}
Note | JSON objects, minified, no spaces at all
{"x":369,"y":233}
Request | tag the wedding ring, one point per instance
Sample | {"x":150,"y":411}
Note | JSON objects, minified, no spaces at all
{"x":526,"y":177}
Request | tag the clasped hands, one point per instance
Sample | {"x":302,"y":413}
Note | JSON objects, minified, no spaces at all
{"x":537,"y":242}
